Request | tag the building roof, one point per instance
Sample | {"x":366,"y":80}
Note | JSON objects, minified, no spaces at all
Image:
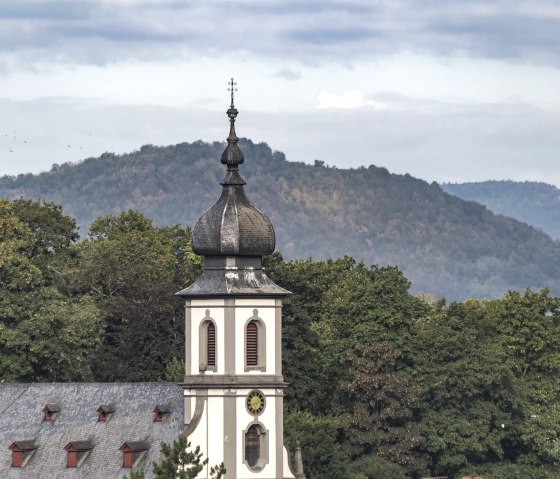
{"x":21,"y":420}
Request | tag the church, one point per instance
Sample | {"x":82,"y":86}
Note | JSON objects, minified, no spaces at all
{"x":230,"y":402}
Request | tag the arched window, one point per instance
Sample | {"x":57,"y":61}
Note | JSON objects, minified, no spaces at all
{"x":255,"y":352}
{"x":256,"y":447}
{"x":207,"y":344}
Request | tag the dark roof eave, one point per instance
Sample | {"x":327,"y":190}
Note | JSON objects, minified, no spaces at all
{"x":241,"y":283}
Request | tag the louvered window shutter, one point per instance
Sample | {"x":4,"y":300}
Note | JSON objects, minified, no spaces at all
{"x":252,"y":355}
{"x":211,"y":344}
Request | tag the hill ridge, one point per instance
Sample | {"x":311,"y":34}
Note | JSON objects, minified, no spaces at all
{"x":445,"y":245}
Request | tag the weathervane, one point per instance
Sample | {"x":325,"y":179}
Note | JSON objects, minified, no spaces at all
{"x":232,"y":89}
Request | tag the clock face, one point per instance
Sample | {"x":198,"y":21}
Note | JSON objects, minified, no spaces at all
{"x":255,"y":402}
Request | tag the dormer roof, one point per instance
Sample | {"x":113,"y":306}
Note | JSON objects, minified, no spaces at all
{"x":135,"y":446}
{"x":23,"y":446}
{"x":79,"y":446}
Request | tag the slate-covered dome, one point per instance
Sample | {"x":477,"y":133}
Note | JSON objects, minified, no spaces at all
{"x":233,"y":226}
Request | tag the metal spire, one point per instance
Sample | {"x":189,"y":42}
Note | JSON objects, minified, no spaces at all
{"x":232,"y":89}
{"x":232,"y":155}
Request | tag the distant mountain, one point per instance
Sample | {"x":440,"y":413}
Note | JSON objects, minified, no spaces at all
{"x":445,"y":245}
{"x":537,"y":204}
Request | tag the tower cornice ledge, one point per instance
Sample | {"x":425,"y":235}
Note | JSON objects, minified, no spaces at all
{"x":204,"y":381}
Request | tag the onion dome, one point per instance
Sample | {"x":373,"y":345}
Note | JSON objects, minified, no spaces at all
{"x":233,"y":226}
{"x":233,"y":236}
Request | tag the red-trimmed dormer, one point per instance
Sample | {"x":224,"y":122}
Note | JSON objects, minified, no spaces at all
{"x":50,"y":412}
{"x":22,"y":452}
{"x":77,"y":452}
{"x":133,"y":452}
{"x":105,"y":412}
{"x":161,"y":412}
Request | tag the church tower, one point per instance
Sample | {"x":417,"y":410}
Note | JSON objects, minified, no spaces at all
{"x":233,"y":321}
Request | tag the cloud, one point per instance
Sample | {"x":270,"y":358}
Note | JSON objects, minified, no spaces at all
{"x":430,"y":140}
{"x":97,"y":31}
{"x":288,"y":74}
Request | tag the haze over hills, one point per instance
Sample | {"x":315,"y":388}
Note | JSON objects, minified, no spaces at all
{"x":446,"y":246}
{"x":534,"y":203}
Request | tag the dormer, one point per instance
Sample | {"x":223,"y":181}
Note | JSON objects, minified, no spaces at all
{"x":51,"y":412}
{"x":161,"y":412}
{"x":133,"y":453}
{"x":22,"y":452}
{"x":77,"y":451}
{"x":105,"y":412}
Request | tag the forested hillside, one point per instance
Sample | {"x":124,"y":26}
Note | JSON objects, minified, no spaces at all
{"x":537,"y":204}
{"x":445,"y":245}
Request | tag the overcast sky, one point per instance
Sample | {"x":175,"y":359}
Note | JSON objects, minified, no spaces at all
{"x":448,"y":90}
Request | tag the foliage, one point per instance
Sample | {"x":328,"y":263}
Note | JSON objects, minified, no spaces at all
{"x":179,"y":462}
{"x":304,"y":357}
{"x":520,"y":471}
{"x":381,"y":381}
{"x":322,"y":458}
{"x":132,"y":270}
{"x":383,"y":402}
{"x":44,"y":334}
{"x":375,"y":467}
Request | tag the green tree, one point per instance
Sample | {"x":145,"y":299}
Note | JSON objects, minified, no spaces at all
{"x":45,"y":335}
{"x":375,"y":467}
{"x":132,"y":270}
{"x":528,"y":325}
{"x":321,"y":454}
{"x":179,"y":462}
{"x":312,"y":385}
{"x":51,"y":231}
{"x":468,"y":387}
{"x":383,"y":401}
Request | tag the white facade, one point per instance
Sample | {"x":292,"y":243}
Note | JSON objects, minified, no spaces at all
{"x":216,"y":410}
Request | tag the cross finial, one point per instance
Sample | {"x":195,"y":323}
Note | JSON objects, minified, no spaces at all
{"x":232,"y":89}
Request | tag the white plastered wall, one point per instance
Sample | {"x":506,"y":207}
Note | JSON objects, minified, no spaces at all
{"x":209,"y":434}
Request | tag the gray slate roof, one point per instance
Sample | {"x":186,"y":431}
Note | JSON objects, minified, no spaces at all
{"x":21,"y":419}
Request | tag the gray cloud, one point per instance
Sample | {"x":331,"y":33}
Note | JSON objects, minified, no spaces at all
{"x":430,"y":140}
{"x":92,"y":31}
{"x":288,"y":74}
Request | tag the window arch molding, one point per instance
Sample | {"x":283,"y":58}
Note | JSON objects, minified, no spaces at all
{"x":255,"y":343}
{"x":208,"y":344}
{"x":255,"y":446}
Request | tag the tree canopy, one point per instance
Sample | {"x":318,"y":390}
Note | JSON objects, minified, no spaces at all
{"x":382,"y":382}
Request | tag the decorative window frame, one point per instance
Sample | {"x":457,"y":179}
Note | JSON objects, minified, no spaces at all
{"x":203,"y":344}
{"x":261,"y":343}
{"x":264,"y":447}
